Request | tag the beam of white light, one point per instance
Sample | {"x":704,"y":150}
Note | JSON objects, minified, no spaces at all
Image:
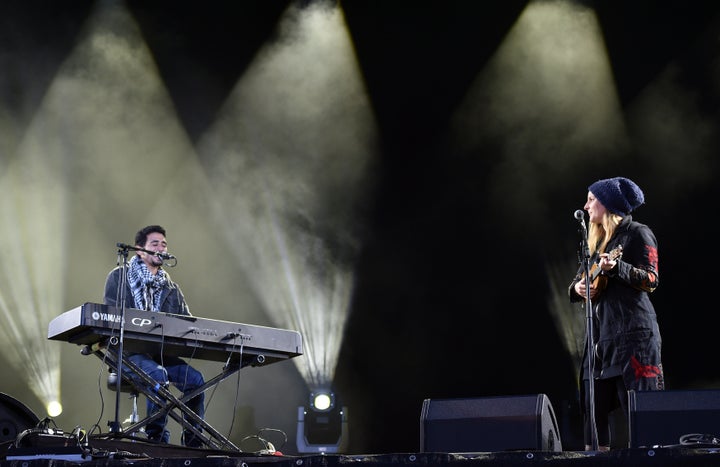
{"x":568,"y":317}
{"x":32,"y":261}
{"x":320,"y":291}
{"x":132,"y":165}
{"x":102,"y":116}
{"x":547,"y":98}
{"x":289,"y":161}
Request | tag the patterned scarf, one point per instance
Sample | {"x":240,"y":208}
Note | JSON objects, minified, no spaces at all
{"x":145,"y":287}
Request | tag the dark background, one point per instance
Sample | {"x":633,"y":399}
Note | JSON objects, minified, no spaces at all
{"x":453,"y":290}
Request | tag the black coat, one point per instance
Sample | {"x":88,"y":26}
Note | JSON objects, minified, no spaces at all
{"x":626,"y":334}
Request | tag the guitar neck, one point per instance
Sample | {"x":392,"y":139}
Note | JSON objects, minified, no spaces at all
{"x":612,"y":256}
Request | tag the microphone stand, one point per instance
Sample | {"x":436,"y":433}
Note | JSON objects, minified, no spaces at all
{"x":116,"y":426}
{"x":585,"y":253}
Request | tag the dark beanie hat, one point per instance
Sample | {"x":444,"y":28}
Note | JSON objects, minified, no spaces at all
{"x":619,"y":195}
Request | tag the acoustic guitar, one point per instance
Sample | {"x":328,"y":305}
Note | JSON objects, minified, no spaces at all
{"x":598,"y":280}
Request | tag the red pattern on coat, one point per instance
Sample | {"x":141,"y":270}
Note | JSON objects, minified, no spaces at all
{"x":644,"y":371}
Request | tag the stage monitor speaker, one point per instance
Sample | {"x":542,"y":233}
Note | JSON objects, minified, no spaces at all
{"x":15,"y":418}
{"x":661,"y":418}
{"x":502,"y":423}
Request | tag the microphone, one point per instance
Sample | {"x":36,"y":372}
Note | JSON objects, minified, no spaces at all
{"x":159,"y":254}
{"x":580,"y":216}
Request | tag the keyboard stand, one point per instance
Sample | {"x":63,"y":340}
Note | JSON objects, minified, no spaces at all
{"x":169,"y":404}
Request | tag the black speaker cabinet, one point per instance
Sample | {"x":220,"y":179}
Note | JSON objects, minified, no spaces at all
{"x":502,"y":423}
{"x":15,"y":417}
{"x":661,"y":418}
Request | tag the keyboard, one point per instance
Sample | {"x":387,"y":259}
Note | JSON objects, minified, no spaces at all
{"x":170,"y":334}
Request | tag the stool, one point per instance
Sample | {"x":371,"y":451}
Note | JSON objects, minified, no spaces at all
{"x":125,"y":386}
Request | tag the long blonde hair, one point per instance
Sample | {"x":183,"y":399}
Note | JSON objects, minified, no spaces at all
{"x":600,"y":234}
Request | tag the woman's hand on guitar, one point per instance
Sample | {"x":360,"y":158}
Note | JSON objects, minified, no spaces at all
{"x":581,"y":289}
{"x":607,"y":261}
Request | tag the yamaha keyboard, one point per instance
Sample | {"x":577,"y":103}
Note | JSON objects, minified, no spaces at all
{"x":180,"y":335}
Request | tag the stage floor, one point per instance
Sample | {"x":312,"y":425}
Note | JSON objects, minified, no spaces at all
{"x":115,"y":452}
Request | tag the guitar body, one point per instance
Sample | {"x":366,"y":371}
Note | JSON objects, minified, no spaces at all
{"x":598,"y":280}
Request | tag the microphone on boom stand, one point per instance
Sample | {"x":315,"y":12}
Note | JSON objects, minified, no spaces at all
{"x":160,"y":254}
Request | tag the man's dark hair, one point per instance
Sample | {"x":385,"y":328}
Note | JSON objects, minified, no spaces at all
{"x":141,"y":236}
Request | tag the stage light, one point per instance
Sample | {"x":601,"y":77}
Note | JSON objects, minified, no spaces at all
{"x":322,"y":425}
{"x":54,"y":408}
{"x":322,"y":401}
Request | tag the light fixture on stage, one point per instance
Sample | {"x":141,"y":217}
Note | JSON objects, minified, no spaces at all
{"x":54,"y":408}
{"x":322,"y":425}
{"x":322,"y":401}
